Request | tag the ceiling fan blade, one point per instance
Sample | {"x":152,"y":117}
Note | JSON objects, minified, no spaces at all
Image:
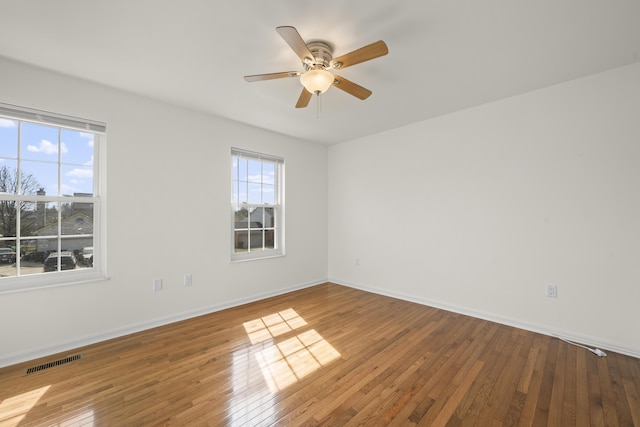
{"x":271,"y":76}
{"x":293,"y":39}
{"x":304,"y":99}
{"x":366,"y":53}
{"x":351,"y":88}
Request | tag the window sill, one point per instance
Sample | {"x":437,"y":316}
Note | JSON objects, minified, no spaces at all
{"x":49,"y":280}
{"x":255,"y":256}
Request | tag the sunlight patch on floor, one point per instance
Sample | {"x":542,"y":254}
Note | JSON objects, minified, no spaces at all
{"x":293,"y":359}
{"x":14,"y":409}
{"x":84,"y":419}
{"x":286,"y":361}
{"x":273,"y":325}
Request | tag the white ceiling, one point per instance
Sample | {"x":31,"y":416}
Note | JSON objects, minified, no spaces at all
{"x":444,"y":55}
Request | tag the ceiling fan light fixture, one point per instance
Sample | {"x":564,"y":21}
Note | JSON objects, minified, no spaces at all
{"x":317,"y":57}
{"x":317,"y":80}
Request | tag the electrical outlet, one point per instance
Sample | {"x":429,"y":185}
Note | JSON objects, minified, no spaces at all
{"x":551,"y":291}
{"x":157,"y":284}
{"x":188,"y":279}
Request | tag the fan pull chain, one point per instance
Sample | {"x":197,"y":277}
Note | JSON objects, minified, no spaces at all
{"x":318,"y":105}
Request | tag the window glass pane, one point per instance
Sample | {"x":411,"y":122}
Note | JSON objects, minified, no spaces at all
{"x":235,"y":198}
{"x":269,"y":218}
{"x":268,"y":194}
{"x":49,"y":233}
{"x":254,"y":174}
{"x":85,"y":257}
{"x":7,"y":258}
{"x":85,"y":208}
{"x":242,"y":191}
{"x":31,"y":218}
{"x":269,"y":241}
{"x":29,"y":251}
{"x":46,"y":220}
{"x":257,"y":218}
{"x":77,"y":219}
{"x":8,"y":174}
{"x":268,"y":172}
{"x":60,"y":261}
{"x":234,"y":167}
{"x":242,"y":169}
{"x":76,"y":245}
{"x":78,"y":147}
{"x":241,"y":217}
{"x":255,"y":193}
{"x":8,"y":138}
{"x":8,"y":218}
{"x":77,"y":180}
{"x":39,"y":175}
{"x":30,"y":258}
{"x":256,"y":239}
{"x":39,"y":142}
{"x":241,"y":240}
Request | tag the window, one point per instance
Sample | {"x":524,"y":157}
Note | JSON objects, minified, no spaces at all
{"x":50,"y":199}
{"x":256,"y":205}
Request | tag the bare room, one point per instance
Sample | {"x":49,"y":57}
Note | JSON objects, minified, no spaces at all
{"x":319,"y":213}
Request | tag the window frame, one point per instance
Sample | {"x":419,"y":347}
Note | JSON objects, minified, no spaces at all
{"x":98,"y":271}
{"x":278,"y":208}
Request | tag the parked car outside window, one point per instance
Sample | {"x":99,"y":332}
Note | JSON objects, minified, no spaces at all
{"x":7,"y":256}
{"x":87,"y":256}
{"x":67,"y":261}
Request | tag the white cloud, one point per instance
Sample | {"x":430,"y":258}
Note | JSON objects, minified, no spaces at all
{"x":80,"y":173}
{"x":67,"y":189}
{"x":265,"y":178}
{"x":89,"y":163}
{"x":88,"y":136}
{"x":47,"y":147}
{"x":5,"y":123}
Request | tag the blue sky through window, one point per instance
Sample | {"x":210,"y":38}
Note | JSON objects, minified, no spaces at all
{"x":254,"y":181}
{"x":41,"y":147}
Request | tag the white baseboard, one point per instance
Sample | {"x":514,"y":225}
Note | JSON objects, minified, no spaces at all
{"x":590,"y":341}
{"x":12,"y":359}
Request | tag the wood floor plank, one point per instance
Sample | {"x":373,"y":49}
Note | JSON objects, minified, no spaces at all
{"x":428,"y":390}
{"x":557,"y":390}
{"x":452,"y":402}
{"x":606,"y":389}
{"x":327,"y":355}
{"x":541,"y":415}
{"x":596,"y":411}
{"x":482,"y":390}
{"x":570,"y":393}
{"x":623,"y":410}
{"x":582,"y":387}
{"x":633,"y":399}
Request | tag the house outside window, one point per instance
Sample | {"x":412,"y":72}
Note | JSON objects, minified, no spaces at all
{"x":257,"y":207}
{"x":51,"y":201}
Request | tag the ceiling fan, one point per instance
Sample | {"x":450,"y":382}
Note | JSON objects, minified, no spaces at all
{"x":317,"y":59}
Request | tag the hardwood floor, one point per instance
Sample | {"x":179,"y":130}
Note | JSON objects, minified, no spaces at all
{"x":327,"y":355}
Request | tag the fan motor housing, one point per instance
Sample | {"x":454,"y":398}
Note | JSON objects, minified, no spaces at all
{"x":322,"y":53}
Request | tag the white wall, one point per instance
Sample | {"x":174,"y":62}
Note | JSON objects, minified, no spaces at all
{"x":474,"y":211}
{"x":168,"y":214}
{"x":477,"y":211}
